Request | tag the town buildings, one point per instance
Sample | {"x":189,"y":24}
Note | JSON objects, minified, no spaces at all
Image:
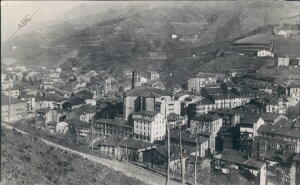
{"x":283,"y":62}
{"x":200,"y":81}
{"x":113,"y":127}
{"x":149,"y":125}
{"x":141,"y":99}
{"x":279,"y":138}
{"x":12,"y":109}
{"x":207,"y":126}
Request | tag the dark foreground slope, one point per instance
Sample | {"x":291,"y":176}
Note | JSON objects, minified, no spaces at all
{"x":25,"y":160}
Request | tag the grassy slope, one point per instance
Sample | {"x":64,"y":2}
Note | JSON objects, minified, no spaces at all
{"x":28,"y":161}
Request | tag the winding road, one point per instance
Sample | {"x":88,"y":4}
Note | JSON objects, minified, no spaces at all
{"x":128,"y":169}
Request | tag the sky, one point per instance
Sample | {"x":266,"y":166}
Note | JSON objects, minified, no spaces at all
{"x":12,"y":13}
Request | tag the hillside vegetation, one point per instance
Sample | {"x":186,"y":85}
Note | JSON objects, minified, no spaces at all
{"x":26,"y":160}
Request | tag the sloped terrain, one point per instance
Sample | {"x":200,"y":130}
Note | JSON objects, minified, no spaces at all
{"x":25,"y":160}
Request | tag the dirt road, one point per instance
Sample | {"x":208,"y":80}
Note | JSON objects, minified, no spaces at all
{"x":130,"y":170}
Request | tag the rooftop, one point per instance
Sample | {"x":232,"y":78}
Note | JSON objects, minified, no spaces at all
{"x":113,"y":122}
{"x":186,"y":137}
{"x":206,"y":117}
{"x":84,"y":109}
{"x":236,"y":157}
{"x":79,"y":124}
{"x":136,"y":144}
{"x":146,"y":113}
{"x":146,"y":92}
{"x":281,"y":128}
{"x":270,"y":116}
{"x":249,"y":119}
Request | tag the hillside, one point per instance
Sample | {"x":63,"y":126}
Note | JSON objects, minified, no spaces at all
{"x":122,"y":36}
{"x":25,"y":160}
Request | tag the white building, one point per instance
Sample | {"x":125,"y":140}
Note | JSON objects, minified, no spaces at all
{"x":166,"y":105}
{"x":15,"y":93}
{"x":265,"y":53}
{"x":202,"y":79}
{"x":61,"y":128}
{"x":3,"y":77}
{"x":293,"y":91}
{"x":149,"y":125}
{"x":283,"y":61}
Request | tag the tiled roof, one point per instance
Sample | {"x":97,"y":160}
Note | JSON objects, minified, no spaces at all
{"x":249,"y":119}
{"x":204,"y":101}
{"x":186,"y":137}
{"x":270,"y":116}
{"x":173,"y":117}
{"x":84,"y":109}
{"x":206,"y":117}
{"x":147,"y":113}
{"x":43,"y":111}
{"x":282,"y":128}
{"x":224,"y":111}
{"x":146,"y":92}
{"x":79,"y":124}
{"x":113,"y":122}
{"x":236,"y":157}
{"x":49,"y":98}
{"x":297,"y":157}
{"x":136,"y":144}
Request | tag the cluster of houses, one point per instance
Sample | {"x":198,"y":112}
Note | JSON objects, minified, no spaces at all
{"x":240,"y":122}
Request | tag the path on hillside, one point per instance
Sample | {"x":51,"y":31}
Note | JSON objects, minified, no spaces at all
{"x":130,"y":170}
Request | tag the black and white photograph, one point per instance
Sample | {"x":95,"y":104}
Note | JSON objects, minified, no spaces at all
{"x":150,"y":92}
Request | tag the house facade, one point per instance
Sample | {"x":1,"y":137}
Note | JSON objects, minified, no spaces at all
{"x":149,"y":125}
{"x":207,"y":125}
{"x":13,"y":112}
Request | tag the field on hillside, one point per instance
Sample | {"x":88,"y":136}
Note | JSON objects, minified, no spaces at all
{"x":26,"y":160}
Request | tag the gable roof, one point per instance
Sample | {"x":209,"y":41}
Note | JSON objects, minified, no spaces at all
{"x":206,"y":117}
{"x":282,"y":128}
{"x":85,"y":109}
{"x":237,"y":157}
{"x":146,"y":92}
{"x":270,"y":117}
{"x":146,"y":113}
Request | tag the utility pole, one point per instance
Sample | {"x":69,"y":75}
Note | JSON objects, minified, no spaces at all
{"x":197,"y":150}
{"x":92,"y":133}
{"x":126,"y":154}
{"x":8,"y":119}
{"x":181,"y":158}
{"x":169,"y":153}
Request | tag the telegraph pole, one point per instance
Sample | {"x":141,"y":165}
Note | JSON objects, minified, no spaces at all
{"x":169,"y":153}
{"x":9,"y":101}
{"x":92,"y":121}
{"x":181,"y":158}
{"x":197,"y":150}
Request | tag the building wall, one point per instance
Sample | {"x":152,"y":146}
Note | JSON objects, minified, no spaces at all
{"x":195,"y":84}
{"x":283,"y":61}
{"x":86,"y":117}
{"x":269,"y":142}
{"x":210,"y":127}
{"x":17,"y":111}
{"x":129,"y":105}
{"x":167,"y":105}
{"x":295,"y":173}
{"x":13,"y":93}
{"x":150,"y":129}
